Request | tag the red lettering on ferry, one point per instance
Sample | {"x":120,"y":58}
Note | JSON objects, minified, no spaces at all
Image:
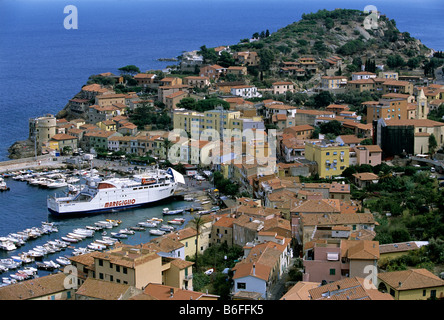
{"x":119,"y":203}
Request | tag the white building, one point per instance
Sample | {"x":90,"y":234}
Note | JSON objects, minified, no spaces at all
{"x":245,"y":92}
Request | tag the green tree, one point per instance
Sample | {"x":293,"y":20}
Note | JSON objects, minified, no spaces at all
{"x":198,"y":223}
{"x":395,"y":61}
{"x":432,"y":144}
{"x":323,"y":99}
{"x":129,"y":69}
{"x":266,"y":59}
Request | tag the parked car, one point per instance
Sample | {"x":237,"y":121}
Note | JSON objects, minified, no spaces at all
{"x":209,"y":271}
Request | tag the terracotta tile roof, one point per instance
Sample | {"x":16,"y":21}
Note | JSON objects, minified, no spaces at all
{"x":127,"y":256}
{"x":246,"y":269}
{"x":144,"y":76}
{"x":99,"y":133}
{"x":414,"y":122}
{"x":300,"y":291}
{"x":366,"y":176}
{"x":320,"y":219}
{"x":176,"y":94}
{"x":62,"y":136}
{"x":162,"y":292}
{"x":316,"y":206}
{"x":411,"y":279}
{"x":360,"y":249}
{"x":224,"y":222}
{"x":34,"y":288}
{"x":182,"y":234}
{"x":350,"y":139}
{"x":103,"y":290}
{"x":397,"y":247}
{"x":336,"y":187}
{"x":348,"y":289}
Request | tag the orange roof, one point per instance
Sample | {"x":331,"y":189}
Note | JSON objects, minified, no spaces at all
{"x":62,"y":136}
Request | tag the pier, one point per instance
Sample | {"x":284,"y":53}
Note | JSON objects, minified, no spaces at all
{"x":40,"y":162}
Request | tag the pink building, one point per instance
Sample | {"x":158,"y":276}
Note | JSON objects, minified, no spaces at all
{"x":368,"y":154}
{"x":335,"y":259}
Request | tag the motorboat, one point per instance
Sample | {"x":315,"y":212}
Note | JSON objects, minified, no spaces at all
{"x":104,"y":242}
{"x":167,"y":211}
{"x":147,"y":224}
{"x":7,"y":245}
{"x":177,"y":221}
{"x":75,"y":235}
{"x":157,"y":232}
{"x":3,"y":185}
{"x":59,"y":183}
{"x":137,"y":228}
{"x":119,"y":235}
{"x":36,"y":255}
{"x":84,"y":232}
{"x":96,"y":246}
{"x":63,"y":261}
{"x":166,"y":228}
{"x":188,"y":198}
{"x":104,"y":224}
{"x":127,"y":231}
{"x":69,"y":239}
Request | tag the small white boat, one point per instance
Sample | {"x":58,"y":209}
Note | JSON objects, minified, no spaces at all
{"x":68,"y":239}
{"x":7,"y":245}
{"x":119,"y":235}
{"x":157,"y":232}
{"x":84,"y":232}
{"x":59,"y":183}
{"x":167,"y":211}
{"x":75,"y":235}
{"x":104,"y":242}
{"x":127,"y":231}
{"x":188,"y":198}
{"x":147,"y":224}
{"x":177,"y":221}
{"x":96,"y":246}
{"x":63,"y":261}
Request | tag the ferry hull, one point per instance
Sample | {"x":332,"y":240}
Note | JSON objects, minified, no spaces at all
{"x":115,"y":195}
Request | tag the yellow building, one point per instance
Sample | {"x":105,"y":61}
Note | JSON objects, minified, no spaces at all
{"x":107,"y":125}
{"x":413,"y":284}
{"x":61,"y":140}
{"x":332,"y":159}
{"x":209,"y":123}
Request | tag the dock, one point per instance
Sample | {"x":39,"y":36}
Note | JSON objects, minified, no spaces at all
{"x":40,"y":162}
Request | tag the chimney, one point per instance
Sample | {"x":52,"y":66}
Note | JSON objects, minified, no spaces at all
{"x":400,"y":284}
{"x":171,"y":292}
{"x":254,"y":269}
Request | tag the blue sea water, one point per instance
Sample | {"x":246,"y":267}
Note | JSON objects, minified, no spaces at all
{"x":42,"y":65}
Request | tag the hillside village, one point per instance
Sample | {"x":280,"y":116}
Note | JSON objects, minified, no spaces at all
{"x":357,"y":130}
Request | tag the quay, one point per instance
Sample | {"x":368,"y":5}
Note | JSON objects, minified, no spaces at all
{"x":40,"y":162}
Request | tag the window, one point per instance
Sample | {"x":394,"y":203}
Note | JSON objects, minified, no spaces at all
{"x":424,"y":293}
{"x":118,"y":268}
{"x":101,"y":276}
{"x":433,"y":294}
{"x":125,"y":270}
{"x":101,"y":262}
{"x":241,"y":285}
{"x":332,"y":272}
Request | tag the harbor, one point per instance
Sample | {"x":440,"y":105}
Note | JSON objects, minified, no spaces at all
{"x":34,"y":243}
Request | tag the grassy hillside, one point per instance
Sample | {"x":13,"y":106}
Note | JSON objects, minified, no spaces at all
{"x":338,"y":32}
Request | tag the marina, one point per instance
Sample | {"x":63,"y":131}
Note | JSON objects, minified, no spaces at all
{"x":35,"y":243}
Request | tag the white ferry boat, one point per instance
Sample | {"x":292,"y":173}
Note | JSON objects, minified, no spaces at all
{"x":117,"y":193}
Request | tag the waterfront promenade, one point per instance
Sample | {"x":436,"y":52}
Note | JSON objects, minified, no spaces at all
{"x":41,"y":162}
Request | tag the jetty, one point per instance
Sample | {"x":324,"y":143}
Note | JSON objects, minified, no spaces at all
{"x":39,"y":162}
